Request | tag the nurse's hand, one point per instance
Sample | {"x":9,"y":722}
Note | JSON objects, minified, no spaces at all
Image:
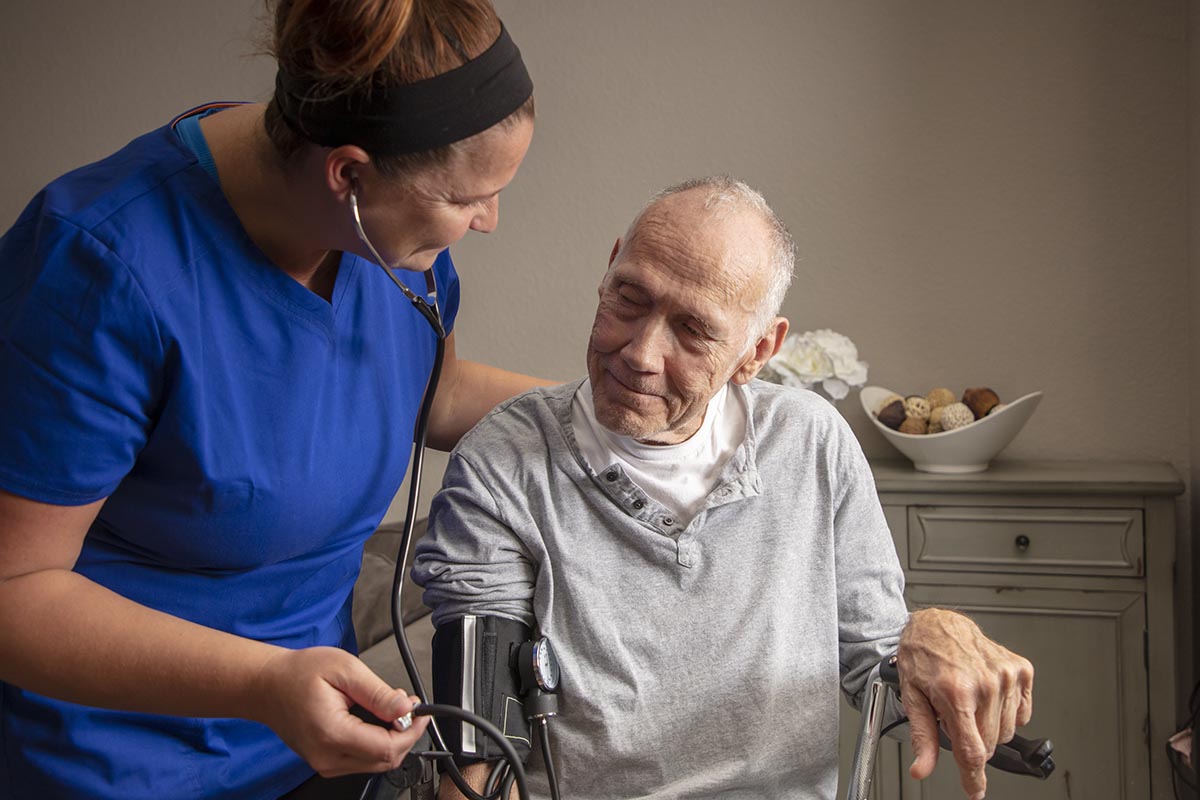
{"x":305,"y":696}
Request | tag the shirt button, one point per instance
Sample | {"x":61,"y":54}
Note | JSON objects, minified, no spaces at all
{"x":610,"y":476}
{"x":668,"y":521}
{"x":639,"y":505}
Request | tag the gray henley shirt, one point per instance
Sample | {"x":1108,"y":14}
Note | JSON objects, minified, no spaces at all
{"x":700,"y":660}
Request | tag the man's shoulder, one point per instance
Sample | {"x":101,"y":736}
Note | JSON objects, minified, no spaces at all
{"x":792,"y":425}
{"x":775,"y":406}
{"x":522,"y":425}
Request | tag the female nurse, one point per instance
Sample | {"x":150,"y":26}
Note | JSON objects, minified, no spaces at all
{"x":209,"y":394}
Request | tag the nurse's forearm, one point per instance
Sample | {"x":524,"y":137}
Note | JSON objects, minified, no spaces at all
{"x":466,"y":392}
{"x":479,"y":389}
{"x":64,"y":636}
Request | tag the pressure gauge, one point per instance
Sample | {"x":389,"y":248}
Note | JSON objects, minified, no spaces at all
{"x":539,"y":665}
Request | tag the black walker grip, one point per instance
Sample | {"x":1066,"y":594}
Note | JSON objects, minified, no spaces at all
{"x":1019,"y":756}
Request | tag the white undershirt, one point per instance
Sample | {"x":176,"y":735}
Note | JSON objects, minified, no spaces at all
{"x":680,"y":476}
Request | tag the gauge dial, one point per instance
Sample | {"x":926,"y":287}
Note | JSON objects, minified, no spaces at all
{"x":545,"y":665}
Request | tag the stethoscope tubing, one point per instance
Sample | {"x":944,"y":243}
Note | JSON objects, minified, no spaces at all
{"x":432,"y":314}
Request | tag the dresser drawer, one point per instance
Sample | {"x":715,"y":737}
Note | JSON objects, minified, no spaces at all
{"x":1067,"y":541}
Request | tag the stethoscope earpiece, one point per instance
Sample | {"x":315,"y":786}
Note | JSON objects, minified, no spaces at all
{"x":428,"y":308}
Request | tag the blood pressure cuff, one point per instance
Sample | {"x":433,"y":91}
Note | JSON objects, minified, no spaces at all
{"x":475,"y":667}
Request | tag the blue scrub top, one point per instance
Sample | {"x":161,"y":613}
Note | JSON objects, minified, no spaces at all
{"x":249,"y":436}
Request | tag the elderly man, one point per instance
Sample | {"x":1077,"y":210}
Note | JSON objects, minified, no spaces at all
{"x":705,"y":550}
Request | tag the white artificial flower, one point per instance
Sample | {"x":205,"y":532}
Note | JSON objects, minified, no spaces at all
{"x":844,"y":355}
{"x":822,"y":356}
{"x":836,"y":388}
{"x":802,"y":361}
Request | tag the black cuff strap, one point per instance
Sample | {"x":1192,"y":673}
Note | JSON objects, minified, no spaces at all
{"x":474,"y":667}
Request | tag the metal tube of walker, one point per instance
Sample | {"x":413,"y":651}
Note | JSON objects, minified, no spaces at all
{"x":874,"y":706}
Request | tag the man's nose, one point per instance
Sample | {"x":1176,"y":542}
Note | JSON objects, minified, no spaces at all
{"x":646,"y":347}
{"x":488,"y":217}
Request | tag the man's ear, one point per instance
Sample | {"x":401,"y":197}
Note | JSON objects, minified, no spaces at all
{"x":344,"y":168}
{"x":616,"y":249}
{"x":767,"y":345}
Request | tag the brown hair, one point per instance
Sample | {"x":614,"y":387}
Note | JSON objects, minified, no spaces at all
{"x":358,"y":45}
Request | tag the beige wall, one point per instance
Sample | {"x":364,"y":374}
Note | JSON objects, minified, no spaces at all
{"x":983,"y":193}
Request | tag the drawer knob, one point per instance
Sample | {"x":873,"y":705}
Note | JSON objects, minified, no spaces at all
{"x":1022,"y":543}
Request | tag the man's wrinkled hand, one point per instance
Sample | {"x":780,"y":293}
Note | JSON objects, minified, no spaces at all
{"x":978,"y":690}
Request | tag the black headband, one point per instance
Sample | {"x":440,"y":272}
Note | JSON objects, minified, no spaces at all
{"x":415,"y":116}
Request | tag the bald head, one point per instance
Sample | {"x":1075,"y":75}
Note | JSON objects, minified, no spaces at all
{"x":686,"y":306}
{"x":709,"y":208}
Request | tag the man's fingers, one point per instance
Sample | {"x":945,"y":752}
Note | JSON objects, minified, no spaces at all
{"x":1025,"y":709}
{"x":970,"y":752}
{"x":989,"y":718}
{"x":1010,"y":705}
{"x":1016,"y":698}
{"x":923,"y":731}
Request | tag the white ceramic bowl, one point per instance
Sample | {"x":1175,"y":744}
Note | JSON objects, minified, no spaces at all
{"x":966,"y":449}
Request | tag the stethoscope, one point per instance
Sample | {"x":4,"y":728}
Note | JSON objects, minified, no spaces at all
{"x":499,"y":784}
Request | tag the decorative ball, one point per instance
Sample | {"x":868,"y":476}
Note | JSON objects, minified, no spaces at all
{"x":935,"y":420}
{"x":940,"y":397}
{"x":980,"y":400}
{"x":956,"y":415}
{"x":892,"y":414}
{"x":916,"y":407}
{"x":913,"y":425}
{"x":891,"y":398}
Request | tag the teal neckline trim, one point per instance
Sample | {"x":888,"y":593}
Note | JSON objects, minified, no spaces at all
{"x":188,"y":130}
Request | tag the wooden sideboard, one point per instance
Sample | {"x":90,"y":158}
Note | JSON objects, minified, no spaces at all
{"x":1070,"y":564}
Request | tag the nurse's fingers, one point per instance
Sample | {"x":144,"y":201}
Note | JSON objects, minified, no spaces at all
{"x":307,"y":696}
{"x":370,"y":749}
{"x":366,"y":689}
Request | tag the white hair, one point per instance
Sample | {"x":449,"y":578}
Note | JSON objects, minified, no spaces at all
{"x":727,"y":195}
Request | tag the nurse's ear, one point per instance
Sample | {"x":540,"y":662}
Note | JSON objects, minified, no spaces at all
{"x":345,"y":168}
